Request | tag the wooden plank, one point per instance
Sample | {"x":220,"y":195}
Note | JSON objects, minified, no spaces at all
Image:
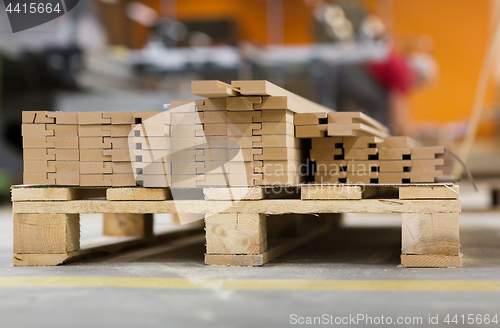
{"x":265,"y":88}
{"x":426,"y":152}
{"x":142,"y":194}
{"x":46,"y":233}
{"x":325,"y":154}
{"x":357,"y":117}
{"x":250,"y":193}
{"x":37,"y":117}
{"x":64,"y":117}
{"x":430,"y":234}
{"x":236,"y":233}
{"x":269,"y":255}
{"x":327,"y":142}
{"x":429,"y":192}
{"x":354,"y":130}
{"x":331,"y":192}
{"x":398,"y":142}
{"x":393,"y":177}
{"x":127,"y":224}
{"x":274,"y":116}
{"x":212,"y":89}
{"x":242,"y":103}
{"x":431,"y":261}
{"x":43,"y":194}
{"x":92,"y":118}
{"x":361,"y":142}
{"x":309,"y":118}
{"x":425,"y":176}
{"x":359,"y":154}
{"x":311,"y":131}
{"x":269,"y":206}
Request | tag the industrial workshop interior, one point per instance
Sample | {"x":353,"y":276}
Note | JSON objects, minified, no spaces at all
{"x":249,"y":163}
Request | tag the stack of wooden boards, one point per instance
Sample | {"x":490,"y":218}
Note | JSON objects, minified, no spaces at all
{"x":248,"y":133}
{"x":79,"y":149}
{"x":392,"y":160}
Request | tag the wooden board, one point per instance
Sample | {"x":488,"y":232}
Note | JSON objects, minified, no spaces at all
{"x":250,"y":193}
{"x":46,"y":233}
{"x":265,"y":88}
{"x":431,"y":261}
{"x":212,"y":89}
{"x":429,"y":192}
{"x":236,"y":233}
{"x":127,"y":224}
{"x":430,"y":234}
{"x":331,"y":192}
{"x":270,"y":206}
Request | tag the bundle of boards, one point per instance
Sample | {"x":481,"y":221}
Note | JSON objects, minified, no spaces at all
{"x":247,"y":133}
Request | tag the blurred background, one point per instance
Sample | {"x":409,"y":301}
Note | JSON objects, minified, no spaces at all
{"x":413,"y":65}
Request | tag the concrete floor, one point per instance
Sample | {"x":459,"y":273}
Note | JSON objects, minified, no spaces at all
{"x":310,"y":281}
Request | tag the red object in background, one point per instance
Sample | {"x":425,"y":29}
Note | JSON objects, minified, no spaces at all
{"x":393,"y":72}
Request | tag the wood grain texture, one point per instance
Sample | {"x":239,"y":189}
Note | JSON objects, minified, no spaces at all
{"x":266,"y":88}
{"x":430,"y":234}
{"x":431,"y":261}
{"x":236,"y":233}
{"x":138,"y":194}
{"x":43,"y":194}
{"x":429,"y":192}
{"x":250,"y":193}
{"x":331,"y":192}
{"x":273,"y":252}
{"x":127,"y":224}
{"x":46,"y":233}
{"x":268,"y":206}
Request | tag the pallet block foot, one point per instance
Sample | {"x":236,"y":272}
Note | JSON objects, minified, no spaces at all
{"x":430,"y":240}
{"x":431,"y":261}
{"x":39,"y":259}
{"x":127,"y":224}
{"x":279,"y":248}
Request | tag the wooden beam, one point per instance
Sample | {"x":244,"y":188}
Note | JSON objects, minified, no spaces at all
{"x":138,"y":194}
{"x":236,"y":233}
{"x":431,"y":261}
{"x":430,"y":234}
{"x":238,"y":193}
{"x":429,"y":192}
{"x":265,"y":88}
{"x":127,"y":224}
{"x":43,"y":194}
{"x":331,"y":192}
{"x":269,"y":206}
{"x":280,"y":248}
{"x":46,"y":233}
{"x":212,"y":89}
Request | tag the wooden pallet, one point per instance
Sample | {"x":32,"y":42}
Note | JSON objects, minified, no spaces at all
{"x":244,"y":226}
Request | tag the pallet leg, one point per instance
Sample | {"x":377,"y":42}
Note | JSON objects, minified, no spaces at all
{"x":120,"y":225}
{"x":242,"y":239}
{"x":44,"y":239}
{"x":236,"y":233}
{"x":430,"y":240}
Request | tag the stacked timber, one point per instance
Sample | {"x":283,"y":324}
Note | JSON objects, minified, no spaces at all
{"x":247,"y":133}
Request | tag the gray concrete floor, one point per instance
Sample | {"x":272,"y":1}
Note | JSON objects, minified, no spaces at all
{"x":365,"y":249}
